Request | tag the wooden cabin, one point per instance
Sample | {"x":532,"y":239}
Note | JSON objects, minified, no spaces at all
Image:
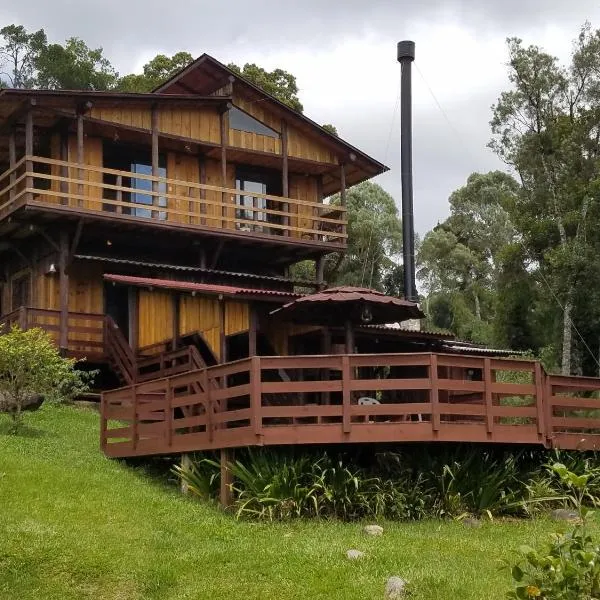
{"x":154,"y":233}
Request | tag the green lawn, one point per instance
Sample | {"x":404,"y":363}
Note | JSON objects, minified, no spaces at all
{"x":74,"y":524}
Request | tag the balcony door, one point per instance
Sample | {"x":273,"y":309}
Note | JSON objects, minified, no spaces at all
{"x":252,"y":213}
{"x":134,"y":161}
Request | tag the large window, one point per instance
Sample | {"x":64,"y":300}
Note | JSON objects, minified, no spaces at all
{"x":251,"y":214}
{"x":242,"y":121}
{"x":136,"y":161}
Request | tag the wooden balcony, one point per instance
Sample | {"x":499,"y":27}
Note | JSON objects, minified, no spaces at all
{"x":349,"y":399}
{"x":59,"y":187}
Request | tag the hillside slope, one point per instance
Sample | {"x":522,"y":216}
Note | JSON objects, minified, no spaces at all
{"x":75,"y":525}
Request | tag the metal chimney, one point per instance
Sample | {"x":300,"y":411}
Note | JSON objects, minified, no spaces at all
{"x":406,"y":55}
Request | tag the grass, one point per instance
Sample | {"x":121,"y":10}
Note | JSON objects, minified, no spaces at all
{"x":75,"y":525}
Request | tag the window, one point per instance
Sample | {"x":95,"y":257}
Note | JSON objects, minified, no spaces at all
{"x":252,"y":207}
{"x":136,"y":161}
{"x":238,"y":119}
{"x":21,"y":286}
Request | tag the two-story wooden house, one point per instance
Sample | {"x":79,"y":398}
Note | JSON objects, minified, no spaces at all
{"x":153,"y":234}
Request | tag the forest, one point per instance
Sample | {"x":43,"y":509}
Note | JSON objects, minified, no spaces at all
{"x":514,"y":264}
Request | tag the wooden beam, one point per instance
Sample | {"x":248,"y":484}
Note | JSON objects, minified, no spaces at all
{"x":50,"y":241}
{"x":80,"y":156}
{"x":63,"y":337}
{"x":29,"y":152}
{"x":202,"y":168}
{"x":175,"y":322}
{"x":133,"y":305}
{"x":11,"y":120}
{"x":252,"y":330}
{"x":155,"y":156}
{"x":224,"y":142}
{"x":64,"y":171}
{"x":349,"y":331}
{"x":75,"y":241}
{"x":343,"y":184}
{"x":222,"y":336}
{"x":217,"y":254}
{"x":18,"y":252}
{"x":285,"y":186}
{"x":12,"y":161}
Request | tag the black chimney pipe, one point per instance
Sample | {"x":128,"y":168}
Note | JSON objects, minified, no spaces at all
{"x":406,"y":55}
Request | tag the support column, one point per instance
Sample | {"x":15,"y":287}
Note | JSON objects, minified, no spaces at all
{"x":63,"y":338}
{"x":222,"y":336}
{"x":285,"y":186}
{"x":349,"y":331}
{"x":64,"y":170}
{"x":186,"y":465}
{"x":226,"y":496}
{"x":133,"y":301}
{"x":29,"y":152}
{"x":155,"y":160}
{"x":252,"y":331}
{"x":224,"y":142}
{"x":12,"y":161}
{"x":80,"y":159}
{"x":343,"y":184}
{"x":175,"y":324}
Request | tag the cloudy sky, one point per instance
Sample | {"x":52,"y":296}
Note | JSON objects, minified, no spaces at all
{"x":343,"y":53}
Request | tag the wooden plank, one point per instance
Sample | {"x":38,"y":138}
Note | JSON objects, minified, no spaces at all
{"x":515,"y":411}
{"x":539,"y":398}
{"x":299,"y":387}
{"x":256,"y":394}
{"x":488,"y":394}
{"x":12,"y":161}
{"x":28,"y":152}
{"x":574,"y":402}
{"x":63,"y":291}
{"x":346,"y":394}
{"x":304,"y":411}
{"x":461,"y":385}
{"x":434,"y":396}
{"x":390,"y":384}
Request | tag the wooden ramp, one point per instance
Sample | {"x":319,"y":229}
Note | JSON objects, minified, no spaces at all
{"x":409,"y":398}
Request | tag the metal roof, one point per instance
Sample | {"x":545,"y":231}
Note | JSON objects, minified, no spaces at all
{"x":191,"y":286}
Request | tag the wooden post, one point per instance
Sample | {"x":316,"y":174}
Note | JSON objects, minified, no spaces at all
{"x":133,"y":302}
{"x":186,"y":465}
{"x":346,"y":394}
{"x":29,"y":153}
{"x":226,"y":477}
{"x":175,"y":322}
{"x":343,"y":184}
{"x":349,"y":331}
{"x":256,"y":395}
{"x":134,"y":418}
{"x":155,"y":160}
{"x":489,"y":399}
{"x":285,"y":186}
{"x":12,"y":158}
{"x":63,"y":338}
{"x":326,"y":373}
{"x":224,"y":142}
{"x":434,"y":397}
{"x":538,"y":375}
{"x":64,"y":170}
{"x":169,"y":419}
{"x":203,"y":208}
{"x":80,"y":158}
{"x":252,"y":331}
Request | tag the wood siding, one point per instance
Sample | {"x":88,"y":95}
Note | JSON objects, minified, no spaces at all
{"x":201,"y":313}
{"x":302,"y":146}
{"x":237,"y":317}
{"x":303,"y":187}
{"x":155,"y":317}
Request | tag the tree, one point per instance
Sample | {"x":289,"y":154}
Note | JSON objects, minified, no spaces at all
{"x":374,"y":238}
{"x":330,"y":128}
{"x":19,"y":53}
{"x":74,"y":66}
{"x":30,"y":365}
{"x":155,"y":72}
{"x":278,"y":83}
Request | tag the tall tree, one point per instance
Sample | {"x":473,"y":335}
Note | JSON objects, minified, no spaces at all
{"x":546,"y":128}
{"x":74,"y":66}
{"x":18,"y":55}
{"x":278,"y":83}
{"x":155,"y":72}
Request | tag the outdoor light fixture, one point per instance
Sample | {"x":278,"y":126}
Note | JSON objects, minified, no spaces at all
{"x":366,"y":316}
{"x":51,"y":269}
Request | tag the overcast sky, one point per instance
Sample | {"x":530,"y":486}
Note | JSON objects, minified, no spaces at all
{"x":343,"y":53}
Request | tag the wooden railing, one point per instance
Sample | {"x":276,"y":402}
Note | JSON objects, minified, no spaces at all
{"x":85,"y":330}
{"x":42,"y":181}
{"x":119,"y":352}
{"x":352,"y":398}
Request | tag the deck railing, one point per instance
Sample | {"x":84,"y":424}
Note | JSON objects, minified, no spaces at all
{"x":39,"y":181}
{"x":352,"y":398}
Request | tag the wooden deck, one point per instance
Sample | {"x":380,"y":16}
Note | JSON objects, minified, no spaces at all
{"x":321,"y":400}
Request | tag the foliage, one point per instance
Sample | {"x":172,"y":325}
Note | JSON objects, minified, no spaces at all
{"x":278,"y":83}
{"x":330,"y":128}
{"x":374,"y":238}
{"x":568,"y":568}
{"x":155,"y":72}
{"x":18,"y":55}
{"x":30,"y":364}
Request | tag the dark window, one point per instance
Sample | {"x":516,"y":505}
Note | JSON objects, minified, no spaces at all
{"x":238,"y":119}
{"x":252,"y":207}
{"x":136,"y":161}
{"x":20,"y":291}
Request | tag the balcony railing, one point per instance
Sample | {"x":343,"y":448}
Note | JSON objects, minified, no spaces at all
{"x":45,"y":182}
{"x":353,"y":399}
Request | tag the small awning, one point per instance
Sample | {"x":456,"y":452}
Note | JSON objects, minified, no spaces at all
{"x":200,"y":288}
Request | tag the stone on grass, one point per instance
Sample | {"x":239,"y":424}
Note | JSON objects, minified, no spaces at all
{"x":373,"y":530}
{"x":32,"y":402}
{"x":563,"y":514}
{"x":472,"y":522}
{"x":355,"y":554}
{"x":395,"y":588}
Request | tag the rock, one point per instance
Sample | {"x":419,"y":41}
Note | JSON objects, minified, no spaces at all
{"x":472,"y":522}
{"x":395,"y":588}
{"x":563,"y":514}
{"x":355,"y":554}
{"x":373,"y":530}
{"x":32,"y":402}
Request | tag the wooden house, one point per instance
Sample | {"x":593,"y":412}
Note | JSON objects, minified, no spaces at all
{"x":153,"y":234}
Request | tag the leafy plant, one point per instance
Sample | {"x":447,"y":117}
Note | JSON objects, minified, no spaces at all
{"x":568,"y":568}
{"x":202,"y":477}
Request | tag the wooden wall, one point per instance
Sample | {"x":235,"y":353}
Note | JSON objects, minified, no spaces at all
{"x":155,"y":319}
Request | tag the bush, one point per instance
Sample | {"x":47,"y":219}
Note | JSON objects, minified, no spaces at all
{"x":30,"y":365}
{"x":568,"y":568}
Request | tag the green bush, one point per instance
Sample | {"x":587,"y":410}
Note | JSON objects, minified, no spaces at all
{"x":568,"y":568}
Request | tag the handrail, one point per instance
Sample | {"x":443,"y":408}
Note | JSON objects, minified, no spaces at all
{"x":120,"y":351}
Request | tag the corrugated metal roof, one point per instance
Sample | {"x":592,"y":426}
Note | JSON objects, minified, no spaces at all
{"x":191,"y":286}
{"x":469,"y":348}
{"x":169,"y":267}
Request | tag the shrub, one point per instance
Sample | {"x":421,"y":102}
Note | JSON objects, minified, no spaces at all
{"x":568,"y":568}
{"x":30,"y":365}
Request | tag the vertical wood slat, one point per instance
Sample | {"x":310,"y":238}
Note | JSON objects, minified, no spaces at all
{"x":63,"y":338}
{"x":103,"y":422}
{"x":285,"y":175}
{"x":155,"y":159}
{"x":549,"y":415}
{"x":134,"y":423}
{"x":28,"y":153}
{"x":224,"y":142}
{"x":539,"y":398}
{"x":434,"y":397}
{"x":346,"y":396}
{"x":12,"y":158}
{"x":208,"y":405}
{"x":64,"y":170}
{"x":169,"y":399}
{"x":256,"y":395}
{"x":119,"y":194}
{"x":489,"y":399}
{"x":202,"y":166}
{"x":80,"y":158}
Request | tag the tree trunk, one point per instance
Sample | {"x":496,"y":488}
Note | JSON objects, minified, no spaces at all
{"x":567,"y":335}
{"x":477,"y":306}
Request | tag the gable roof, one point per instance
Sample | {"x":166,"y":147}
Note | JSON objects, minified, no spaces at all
{"x":206,"y":75}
